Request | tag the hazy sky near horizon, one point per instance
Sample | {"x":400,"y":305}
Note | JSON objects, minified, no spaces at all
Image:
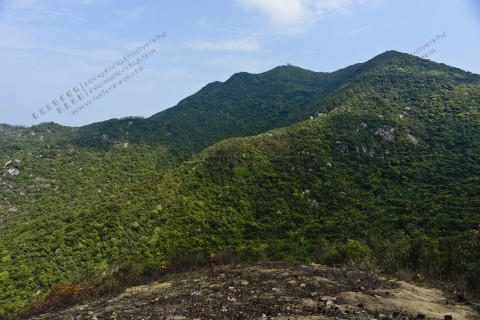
{"x":50,"y":47}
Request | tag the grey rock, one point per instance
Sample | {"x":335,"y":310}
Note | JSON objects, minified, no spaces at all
{"x":327,"y":298}
{"x":13,"y":172}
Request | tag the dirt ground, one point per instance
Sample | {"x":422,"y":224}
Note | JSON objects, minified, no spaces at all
{"x":272,"y":291}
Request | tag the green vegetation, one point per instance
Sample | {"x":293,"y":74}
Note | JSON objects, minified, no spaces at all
{"x":386,"y":172}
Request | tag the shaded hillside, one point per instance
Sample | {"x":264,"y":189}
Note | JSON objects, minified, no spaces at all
{"x":391,"y":151}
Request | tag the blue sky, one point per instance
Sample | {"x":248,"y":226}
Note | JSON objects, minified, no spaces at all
{"x":49,"y":46}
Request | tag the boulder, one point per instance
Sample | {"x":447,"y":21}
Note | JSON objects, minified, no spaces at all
{"x":13,"y":172}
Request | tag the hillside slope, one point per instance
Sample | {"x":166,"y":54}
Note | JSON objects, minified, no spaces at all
{"x":391,"y":152}
{"x":335,"y":187}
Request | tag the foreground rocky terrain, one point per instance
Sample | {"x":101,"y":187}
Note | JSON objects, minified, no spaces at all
{"x":273,"y":291}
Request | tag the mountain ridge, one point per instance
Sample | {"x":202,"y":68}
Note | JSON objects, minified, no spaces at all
{"x":212,"y":119}
{"x":374,"y":152}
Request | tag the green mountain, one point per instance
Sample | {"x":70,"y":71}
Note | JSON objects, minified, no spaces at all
{"x":245,"y":104}
{"x":375,"y":163}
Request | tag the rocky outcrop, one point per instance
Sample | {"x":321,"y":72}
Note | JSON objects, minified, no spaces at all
{"x":13,"y":172}
{"x":268,"y":291}
{"x":386,"y":133}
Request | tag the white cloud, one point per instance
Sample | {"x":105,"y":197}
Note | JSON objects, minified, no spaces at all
{"x":280,"y":13}
{"x":296,"y":16}
{"x":31,"y":11}
{"x":16,"y":38}
{"x":24,"y":4}
{"x":89,"y":2}
{"x":168,"y":73}
{"x":358,"y":30}
{"x":235,"y":63}
{"x":126,"y":17}
{"x":97,"y":55}
{"x":244,"y":44}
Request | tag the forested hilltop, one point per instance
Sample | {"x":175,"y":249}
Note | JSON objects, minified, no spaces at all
{"x":377,"y":163}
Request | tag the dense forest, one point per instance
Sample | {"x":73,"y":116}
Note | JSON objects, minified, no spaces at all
{"x":374,"y":164}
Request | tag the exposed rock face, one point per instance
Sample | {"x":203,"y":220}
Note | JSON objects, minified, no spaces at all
{"x":386,"y":133}
{"x":13,"y":172}
{"x":413,"y":139}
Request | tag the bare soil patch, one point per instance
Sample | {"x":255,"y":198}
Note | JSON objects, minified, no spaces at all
{"x":272,"y":291}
